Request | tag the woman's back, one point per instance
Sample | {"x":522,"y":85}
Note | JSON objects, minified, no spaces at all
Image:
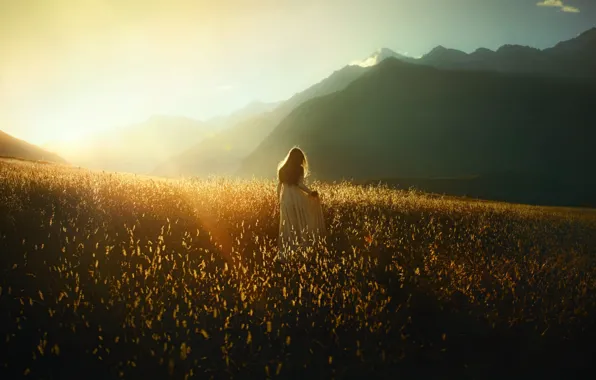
{"x":301,"y":216}
{"x":291,"y":175}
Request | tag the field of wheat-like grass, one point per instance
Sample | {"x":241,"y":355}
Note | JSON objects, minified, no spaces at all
{"x":114,"y":275}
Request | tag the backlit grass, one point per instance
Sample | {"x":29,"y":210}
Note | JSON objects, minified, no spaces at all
{"x":113,"y":275}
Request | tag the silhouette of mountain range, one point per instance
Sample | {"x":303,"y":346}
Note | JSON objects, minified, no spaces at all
{"x":252,"y":109}
{"x":12,"y":147}
{"x":223,"y":153}
{"x":572,"y":58}
{"x":405,"y":120}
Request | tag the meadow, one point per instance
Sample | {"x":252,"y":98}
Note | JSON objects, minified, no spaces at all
{"x":110,"y":275}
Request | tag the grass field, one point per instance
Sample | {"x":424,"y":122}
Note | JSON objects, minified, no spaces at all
{"x":113,"y":275}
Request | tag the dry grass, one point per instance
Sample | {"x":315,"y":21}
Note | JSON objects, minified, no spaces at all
{"x":113,"y":275}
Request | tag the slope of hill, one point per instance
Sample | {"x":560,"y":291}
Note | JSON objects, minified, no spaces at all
{"x":13,"y":147}
{"x":404,"y":120}
{"x":224,"y":152}
{"x":138,"y":148}
{"x":249,"y":111}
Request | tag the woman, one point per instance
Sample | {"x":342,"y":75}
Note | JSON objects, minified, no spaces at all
{"x":300,"y":214}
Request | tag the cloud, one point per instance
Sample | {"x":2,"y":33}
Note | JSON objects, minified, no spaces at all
{"x":558,"y":4}
{"x":380,"y":55}
{"x":569,"y":9}
{"x":370,"y":61}
{"x":551,"y":3}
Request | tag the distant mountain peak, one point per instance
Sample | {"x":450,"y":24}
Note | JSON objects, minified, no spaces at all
{"x":378,"y":56}
{"x":516,"y":48}
{"x":386,"y":52}
{"x":438,"y":48}
{"x":440,"y":53}
{"x":483,"y":50}
{"x":254,"y":108}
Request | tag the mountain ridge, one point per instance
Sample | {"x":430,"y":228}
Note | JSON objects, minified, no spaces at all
{"x":579,"y":51}
{"x":403,"y":120}
{"x":11,"y":146}
{"x":223,"y":153}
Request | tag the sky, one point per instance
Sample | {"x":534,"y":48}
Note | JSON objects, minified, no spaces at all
{"x":69,"y":68}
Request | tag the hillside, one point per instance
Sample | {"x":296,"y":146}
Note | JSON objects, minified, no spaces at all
{"x":404,"y":120}
{"x":247,"y":112}
{"x":13,"y":147}
{"x":223,"y":153}
{"x":109,"y":276}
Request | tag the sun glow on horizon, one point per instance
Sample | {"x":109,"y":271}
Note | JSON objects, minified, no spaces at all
{"x":107,"y":64}
{"x":73,"y":68}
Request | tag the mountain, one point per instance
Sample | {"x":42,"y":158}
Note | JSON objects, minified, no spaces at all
{"x":140,"y":147}
{"x":379,"y":56}
{"x":13,"y":147}
{"x":250,"y":110}
{"x":135,"y":148}
{"x":576,"y":56}
{"x":402,"y":120}
{"x":441,"y":56}
{"x":573,"y":58}
{"x":223,"y":153}
{"x":583,"y":44}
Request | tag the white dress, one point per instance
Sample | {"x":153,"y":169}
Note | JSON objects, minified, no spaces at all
{"x":300,"y":218}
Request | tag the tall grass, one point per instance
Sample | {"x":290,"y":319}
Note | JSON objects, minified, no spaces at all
{"x":112,"y":275}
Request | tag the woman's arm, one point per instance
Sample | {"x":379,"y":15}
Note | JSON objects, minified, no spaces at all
{"x":278,"y":190}
{"x":304,"y":188}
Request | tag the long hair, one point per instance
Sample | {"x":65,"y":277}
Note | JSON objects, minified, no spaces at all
{"x":294,"y":166}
